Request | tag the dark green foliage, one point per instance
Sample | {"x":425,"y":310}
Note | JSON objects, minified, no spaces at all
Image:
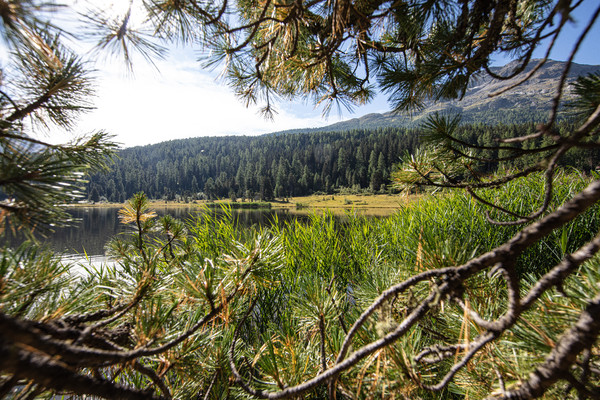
{"x":278,"y":166}
{"x":43,"y":84}
{"x":265,"y":167}
{"x":332,"y":268}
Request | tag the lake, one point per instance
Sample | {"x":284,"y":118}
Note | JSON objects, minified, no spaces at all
{"x":97,"y":225}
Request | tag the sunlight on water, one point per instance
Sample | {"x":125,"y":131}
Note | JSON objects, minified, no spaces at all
{"x":79,"y":263}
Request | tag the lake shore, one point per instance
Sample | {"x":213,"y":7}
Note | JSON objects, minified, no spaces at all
{"x":378,"y":204}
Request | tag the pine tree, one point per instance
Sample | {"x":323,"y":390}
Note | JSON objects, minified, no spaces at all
{"x":166,"y":323}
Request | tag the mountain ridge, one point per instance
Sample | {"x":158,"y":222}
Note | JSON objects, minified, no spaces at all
{"x":529,"y":102}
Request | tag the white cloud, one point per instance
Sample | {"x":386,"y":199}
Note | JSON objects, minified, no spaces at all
{"x":182,"y":101}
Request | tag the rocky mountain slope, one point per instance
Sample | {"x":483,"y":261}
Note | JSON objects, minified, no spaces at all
{"x":528,"y":102}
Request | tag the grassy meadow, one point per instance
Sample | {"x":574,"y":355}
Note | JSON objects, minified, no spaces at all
{"x":371,"y":204}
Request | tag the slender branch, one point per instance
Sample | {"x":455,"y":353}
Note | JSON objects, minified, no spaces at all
{"x":542,"y":62}
{"x":212,"y":383}
{"x":495,"y":206}
{"x":339,"y":310}
{"x":513,"y":308}
{"x":479,"y":185}
{"x":558,"y":274}
{"x":212,"y":19}
{"x":19,"y":331}
{"x":437,"y":353}
{"x":521,"y":139}
{"x":351,"y":360}
{"x":15,"y":106}
{"x":322,"y":344}
{"x":474,"y":348}
{"x":255,"y":26}
{"x":139,"y":295}
{"x":569,"y":62}
{"x":23,"y":112}
{"x":548,"y":185}
{"x":579,"y":337}
{"x":150,"y":373}
{"x":453,"y":278}
{"x":535,"y":69}
{"x":507,"y":148}
{"x":386,"y":295}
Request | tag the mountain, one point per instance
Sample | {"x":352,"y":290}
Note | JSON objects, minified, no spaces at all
{"x":528,"y":102}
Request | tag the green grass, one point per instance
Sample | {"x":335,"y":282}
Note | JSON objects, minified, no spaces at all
{"x":317,"y":275}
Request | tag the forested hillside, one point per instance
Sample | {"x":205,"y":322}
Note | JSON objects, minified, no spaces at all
{"x":277,"y":166}
{"x":260,"y":167}
{"x":358,"y":154}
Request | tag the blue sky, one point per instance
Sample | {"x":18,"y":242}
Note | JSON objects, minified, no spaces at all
{"x":181,"y":100}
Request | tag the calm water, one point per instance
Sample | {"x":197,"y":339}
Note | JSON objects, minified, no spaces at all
{"x":98,"y":225}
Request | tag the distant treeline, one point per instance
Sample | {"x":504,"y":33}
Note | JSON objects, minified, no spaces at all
{"x":277,"y":166}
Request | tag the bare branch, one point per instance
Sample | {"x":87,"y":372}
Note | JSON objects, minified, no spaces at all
{"x":150,"y":373}
{"x":581,"y":336}
{"x":55,"y":375}
{"x":563,"y":78}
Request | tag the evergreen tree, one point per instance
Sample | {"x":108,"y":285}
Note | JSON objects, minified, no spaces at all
{"x":194,"y":186}
{"x":186,"y":317}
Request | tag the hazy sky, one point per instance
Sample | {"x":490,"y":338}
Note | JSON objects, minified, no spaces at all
{"x":181,"y":100}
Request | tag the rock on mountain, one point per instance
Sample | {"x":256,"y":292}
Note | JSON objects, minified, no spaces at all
{"x":530,"y":101}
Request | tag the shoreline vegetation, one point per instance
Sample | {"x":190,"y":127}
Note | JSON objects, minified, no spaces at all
{"x":304,"y":270}
{"x":375,"y":204}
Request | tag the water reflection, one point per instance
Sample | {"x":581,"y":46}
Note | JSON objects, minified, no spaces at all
{"x":97,"y":225}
